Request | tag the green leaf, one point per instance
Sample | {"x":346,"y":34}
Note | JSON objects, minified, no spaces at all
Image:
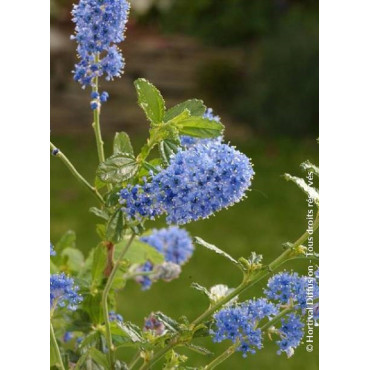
{"x":90,"y":340}
{"x":152,"y":166}
{"x":184,"y":115}
{"x":99,"y":357}
{"x":115,"y":227}
{"x":98,"y":183}
{"x":308,"y":166}
{"x":68,"y":240}
{"x":168,"y":322}
{"x":167,"y":148}
{"x":139,"y":252}
{"x":201,"y":289}
{"x":111,"y":198}
{"x":309,"y":190}
{"x":100,"y":230}
{"x":150,"y":100}
{"x":100,"y":213}
{"x":122,"y":143}
{"x":81,"y":361}
{"x":125,"y":334}
{"x":200,"y":127}
{"x":215,"y":249}
{"x":92,"y":306}
{"x":99,"y":263}
{"x":117,"y":168}
{"x":75,"y":258}
{"x":194,"y":106}
{"x":127,"y":329}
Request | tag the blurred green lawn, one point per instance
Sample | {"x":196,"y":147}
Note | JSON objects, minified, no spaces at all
{"x":274,"y":213}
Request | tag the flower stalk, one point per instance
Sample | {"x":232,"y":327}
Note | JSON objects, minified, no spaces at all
{"x":105,"y":300}
{"x":57,"y":153}
{"x":96,"y":122}
{"x":55,"y":348}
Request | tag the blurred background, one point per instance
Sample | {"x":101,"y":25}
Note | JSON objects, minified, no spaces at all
{"x":255,"y":62}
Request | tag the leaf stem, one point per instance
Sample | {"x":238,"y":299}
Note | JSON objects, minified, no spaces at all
{"x":55,"y":348}
{"x":105,"y":300}
{"x":96,"y":123}
{"x":222,"y":357}
{"x":134,"y":360}
{"x":58,"y":153}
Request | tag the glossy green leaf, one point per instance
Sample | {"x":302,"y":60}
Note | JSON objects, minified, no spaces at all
{"x":81,"y":361}
{"x":309,"y":190}
{"x":115,"y":227}
{"x":99,"y":263}
{"x":215,"y":249}
{"x":150,"y":100}
{"x":100,"y":230}
{"x":91,"y":304}
{"x":125,"y":334}
{"x":201,"y":289}
{"x":168,"y":322}
{"x":200,"y":127}
{"x":122,"y":143}
{"x":167,"y":148}
{"x":132,"y":331}
{"x":308,"y":166}
{"x":194,"y":106}
{"x":100,"y":213}
{"x":99,"y":357}
{"x":139,"y":252}
{"x":98,"y":183}
{"x":117,"y":168}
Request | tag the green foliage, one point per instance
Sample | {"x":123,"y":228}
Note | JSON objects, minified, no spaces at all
{"x":115,"y":227}
{"x":194,"y":106}
{"x":150,"y":100}
{"x":139,"y":252}
{"x":122,"y":143}
{"x":215,"y":249}
{"x":117,"y":168}
{"x":167,"y":148}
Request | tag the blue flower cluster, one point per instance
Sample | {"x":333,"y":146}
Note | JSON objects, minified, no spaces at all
{"x":67,"y":337}
{"x":176,"y":246}
{"x":174,"y":243}
{"x":139,"y":201}
{"x":97,"y":99}
{"x":201,"y":181}
{"x":153,"y":325}
{"x":239,"y":324}
{"x":198,"y":182}
{"x":209,"y":115}
{"x":115,"y":317}
{"x":290,"y":287}
{"x":63,"y":292}
{"x":52,"y":251}
{"x":291,"y":332}
{"x":100,"y":25}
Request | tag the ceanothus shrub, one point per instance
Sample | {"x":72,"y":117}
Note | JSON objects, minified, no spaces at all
{"x":185,"y":172}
